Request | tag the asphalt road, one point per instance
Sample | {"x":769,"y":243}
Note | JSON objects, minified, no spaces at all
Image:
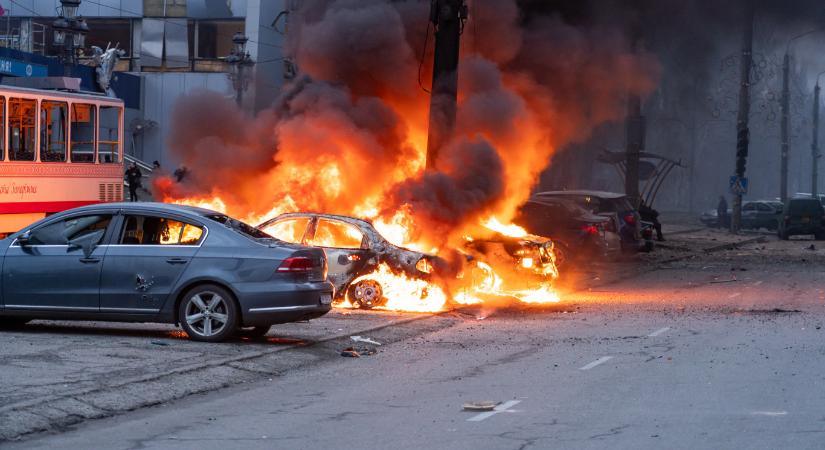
{"x":719,"y":350}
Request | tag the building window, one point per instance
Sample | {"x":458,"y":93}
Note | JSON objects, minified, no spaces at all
{"x":83,"y":133}
{"x":105,"y":32}
{"x":215,"y":38}
{"x":53,"y":126}
{"x":22,"y":115}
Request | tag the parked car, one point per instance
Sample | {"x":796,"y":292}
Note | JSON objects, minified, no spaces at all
{"x":154,"y":262}
{"x":755,"y":214}
{"x":531,"y":258}
{"x":576,"y":232}
{"x":601,"y":202}
{"x":354,"y":248}
{"x":802,"y":216}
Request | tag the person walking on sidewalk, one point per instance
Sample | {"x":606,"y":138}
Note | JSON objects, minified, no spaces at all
{"x":133,"y":176}
{"x":722,"y":212}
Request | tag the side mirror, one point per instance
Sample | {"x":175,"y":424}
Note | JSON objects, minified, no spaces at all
{"x":87,"y":242}
{"x":24,"y":239}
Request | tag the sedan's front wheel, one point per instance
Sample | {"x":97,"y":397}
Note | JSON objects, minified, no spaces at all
{"x":208,"y":313}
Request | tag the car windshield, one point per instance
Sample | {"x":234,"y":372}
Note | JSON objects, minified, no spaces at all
{"x":240,"y":227}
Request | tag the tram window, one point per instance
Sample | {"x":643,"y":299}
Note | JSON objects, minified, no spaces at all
{"x":108,"y":138}
{"x":53,"y":116}
{"x":83,"y":133}
{"x":2,"y":130}
{"x":22,"y":114}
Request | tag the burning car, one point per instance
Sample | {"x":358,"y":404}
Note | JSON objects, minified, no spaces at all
{"x":364,"y":265}
{"x":354,"y":248}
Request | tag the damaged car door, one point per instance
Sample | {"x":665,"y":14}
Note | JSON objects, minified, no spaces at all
{"x":141,"y":269}
{"x":347,"y":250}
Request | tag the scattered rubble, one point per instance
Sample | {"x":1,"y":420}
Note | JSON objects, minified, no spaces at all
{"x":357,"y":352}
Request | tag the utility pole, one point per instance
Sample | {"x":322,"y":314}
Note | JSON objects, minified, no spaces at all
{"x":635,"y":141}
{"x":815,"y":141}
{"x":783,"y":175}
{"x":786,"y":118}
{"x":447,"y":17}
{"x":742,"y":131}
{"x":239,"y":60}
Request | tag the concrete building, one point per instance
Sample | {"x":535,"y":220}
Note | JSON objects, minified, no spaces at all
{"x":174,"y":46}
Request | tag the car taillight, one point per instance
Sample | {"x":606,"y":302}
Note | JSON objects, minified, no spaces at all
{"x":630,"y":219}
{"x":297,"y":264}
{"x":590,"y":229}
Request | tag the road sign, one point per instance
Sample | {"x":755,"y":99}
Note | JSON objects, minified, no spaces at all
{"x":738,"y":185}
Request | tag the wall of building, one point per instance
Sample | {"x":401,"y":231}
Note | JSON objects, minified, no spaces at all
{"x":161,"y":91}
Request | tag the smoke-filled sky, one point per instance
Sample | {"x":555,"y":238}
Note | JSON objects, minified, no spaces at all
{"x":539,"y":82}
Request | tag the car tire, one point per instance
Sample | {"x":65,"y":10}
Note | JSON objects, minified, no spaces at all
{"x":366,"y":294}
{"x":11,"y":323}
{"x":208,"y":313}
{"x":784,"y":235}
{"x":254,"y":332}
{"x":561,"y":252}
{"x":819,"y":236}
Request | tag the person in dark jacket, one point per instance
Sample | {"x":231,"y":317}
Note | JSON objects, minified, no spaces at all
{"x":133,"y":177}
{"x":722,"y":212}
{"x":649,"y":214}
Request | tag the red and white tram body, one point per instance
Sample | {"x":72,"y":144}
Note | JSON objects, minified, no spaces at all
{"x":58,"y":150}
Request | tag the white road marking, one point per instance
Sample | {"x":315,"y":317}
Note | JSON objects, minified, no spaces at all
{"x":595,"y":363}
{"x":734,"y":295}
{"x":500,"y":408}
{"x":770,"y":413}
{"x":758,"y":283}
{"x":658,"y":332}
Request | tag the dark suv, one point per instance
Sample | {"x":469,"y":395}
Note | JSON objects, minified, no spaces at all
{"x":802,"y":216}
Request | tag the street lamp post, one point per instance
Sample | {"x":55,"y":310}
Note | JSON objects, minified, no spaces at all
{"x":69,"y":33}
{"x":815,"y":140}
{"x":785,"y":147}
{"x":240,"y":60}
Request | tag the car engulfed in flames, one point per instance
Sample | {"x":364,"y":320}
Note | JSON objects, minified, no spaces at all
{"x":369,"y":271}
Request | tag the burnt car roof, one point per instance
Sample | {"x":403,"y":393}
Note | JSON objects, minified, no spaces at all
{"x":348,"y":219}
{"x":599,"y":194}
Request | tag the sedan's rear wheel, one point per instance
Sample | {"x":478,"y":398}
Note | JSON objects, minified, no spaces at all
{"x":208,"y":313}
{"x":366,"y":294}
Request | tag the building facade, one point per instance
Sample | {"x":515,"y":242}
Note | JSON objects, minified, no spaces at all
{"x":174,"y":46}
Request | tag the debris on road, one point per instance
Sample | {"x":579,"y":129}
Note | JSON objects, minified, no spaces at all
{"x":161,"y":343}
{"x":485,"y":405}
{"x":357,"y":352}
{"x":731,"y":280}
{"x":364,"y":340}
{"x":811,"y":247}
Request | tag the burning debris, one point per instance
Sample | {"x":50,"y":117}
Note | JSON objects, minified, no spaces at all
{"x":348,"y":137}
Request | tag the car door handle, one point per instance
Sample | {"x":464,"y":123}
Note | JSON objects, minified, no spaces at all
{"x":89,"y":260}
{"x":177,"y":261}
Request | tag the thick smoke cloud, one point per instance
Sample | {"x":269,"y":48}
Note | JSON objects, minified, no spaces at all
{"x":350,"y":135}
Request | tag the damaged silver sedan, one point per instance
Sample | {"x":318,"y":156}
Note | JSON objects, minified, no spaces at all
{"x":354,"y":248}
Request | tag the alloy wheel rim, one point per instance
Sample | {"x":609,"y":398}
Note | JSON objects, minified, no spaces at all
{"x":207,"y":313}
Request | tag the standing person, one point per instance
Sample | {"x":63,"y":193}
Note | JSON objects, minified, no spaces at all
{"x":133,"y":176}
{"x":649,"y":214}
{"x":155,"y":165}
{"x":722,"y":212}
{"x":180,"y":173}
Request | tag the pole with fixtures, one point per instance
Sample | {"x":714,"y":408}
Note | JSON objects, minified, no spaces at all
{"x":69,"y":33}
{"x":239,"y":60}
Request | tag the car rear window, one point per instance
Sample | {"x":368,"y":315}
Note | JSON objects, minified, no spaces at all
{"x":804,"y":206}
{"x":240,"y":227}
